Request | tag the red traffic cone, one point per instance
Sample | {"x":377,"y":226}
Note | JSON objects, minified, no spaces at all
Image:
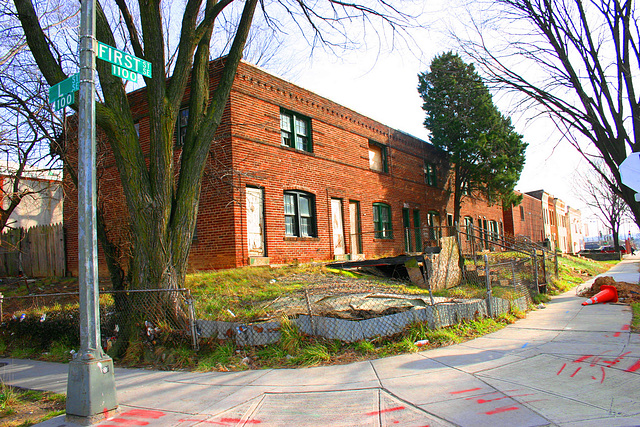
{"x":607,"y":293}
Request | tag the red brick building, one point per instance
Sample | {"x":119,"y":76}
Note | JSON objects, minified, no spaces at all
{"x":525,"y":219}
{"x":294,"y":177}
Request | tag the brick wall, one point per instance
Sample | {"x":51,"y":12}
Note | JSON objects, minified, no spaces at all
{"x":247,"y":152}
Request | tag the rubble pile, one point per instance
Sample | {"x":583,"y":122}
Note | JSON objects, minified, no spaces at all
{"x":627,"y":292}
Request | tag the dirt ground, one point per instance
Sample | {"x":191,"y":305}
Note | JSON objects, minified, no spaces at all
{"x":627,"y":292}
{"x":24,"y":410}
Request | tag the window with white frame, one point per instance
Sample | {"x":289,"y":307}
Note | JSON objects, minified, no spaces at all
{"x":295,"y":131}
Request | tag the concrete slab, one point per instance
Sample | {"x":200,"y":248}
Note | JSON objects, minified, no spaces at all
{"x":468,"y":359}
{"x":34,"y":375}
{"x":343,"y":408}
{"x":557,"y":409}
{"x":406,"y":365}
{"x":442,"y":385}
{"x":360,"y":374}
{"x":490,"y":409}
{"x":583,"y":379}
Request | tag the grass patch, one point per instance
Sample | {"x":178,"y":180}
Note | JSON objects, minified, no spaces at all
{"x":635,"y":322}
{"x":23,"y":408}
{"x":573,"y":271}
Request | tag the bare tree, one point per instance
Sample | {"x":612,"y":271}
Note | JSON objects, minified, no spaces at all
{"x":595,"y":191}
{"x":577,"y":62}
{"x":162,"y":194}
{"x":27,"y":127}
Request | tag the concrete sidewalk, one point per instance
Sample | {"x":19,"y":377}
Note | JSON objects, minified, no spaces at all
{"x":567,"y":364}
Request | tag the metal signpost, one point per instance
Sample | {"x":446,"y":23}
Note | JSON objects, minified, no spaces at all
{"x":91,"y":390}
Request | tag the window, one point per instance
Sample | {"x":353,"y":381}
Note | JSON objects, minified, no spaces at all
{"x":493,"y":231}
{"x":433,"y":222}
{"x":449,"y":220}
{"x":430,"y":175}
{"x":382,"y":221}
{"x":378,"y":157}
{"x":299,"y":214}
{"x":521,"y":213}
{"x":465,"y":189}
{"x":181,"y":128}
{"x":468,"y":225}
{"x":295,"y":131}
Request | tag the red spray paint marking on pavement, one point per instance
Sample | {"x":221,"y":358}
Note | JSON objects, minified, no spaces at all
{"x":634,"y":367}
{"x":133,"y":418}
{"x":502,"y":409}
{"x":625,"y":327}
{"x":465,"y":391}
{"x":127,"y":422}
{"x":503,"y":397}
{"x":143,"y":413}
{"x":563,"y":366}
{"x":397,"y":408}
{"x":195,"y":420}
{"x":583,"y":358}
{"x":574,"y":374}
{"x":617,"y":334}
{"x":237,"y":420}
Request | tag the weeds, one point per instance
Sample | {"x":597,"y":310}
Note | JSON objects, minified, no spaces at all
{"x":635,"y":322}
{"x":40,"y":405}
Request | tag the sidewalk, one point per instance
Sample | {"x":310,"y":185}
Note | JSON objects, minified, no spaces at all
{"x":567,"y":364}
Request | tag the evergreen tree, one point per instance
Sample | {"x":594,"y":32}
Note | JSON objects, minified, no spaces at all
{"x":486,"y":153}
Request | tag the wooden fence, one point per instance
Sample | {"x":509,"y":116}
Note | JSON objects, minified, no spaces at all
{"x":34,"y":252}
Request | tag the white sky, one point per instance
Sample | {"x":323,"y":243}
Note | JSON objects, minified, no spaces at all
{"x":382,"y":86}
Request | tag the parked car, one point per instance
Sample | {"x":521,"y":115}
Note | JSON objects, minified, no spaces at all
{"x":611,"y":249}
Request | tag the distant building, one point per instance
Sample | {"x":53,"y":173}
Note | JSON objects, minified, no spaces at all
{"x":525,"y":219}
{"x":561,"y":227}
{"x":576,"y":236}
{"x":43,"y":205}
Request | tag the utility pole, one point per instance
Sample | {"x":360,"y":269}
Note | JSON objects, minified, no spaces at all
{"x":91,"y":391}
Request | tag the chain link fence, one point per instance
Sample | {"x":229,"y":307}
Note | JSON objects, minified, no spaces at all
{"x":146,"y":314}
{"x":470,"y":274}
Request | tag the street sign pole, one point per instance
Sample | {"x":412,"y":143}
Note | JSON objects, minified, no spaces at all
{"x":91,"y":392}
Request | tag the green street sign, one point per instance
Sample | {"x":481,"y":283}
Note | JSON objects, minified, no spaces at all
{"x":70,"y":85}
{"x":123,"y":73}
{"x":123,"y":60}
{"x":64,"y":101}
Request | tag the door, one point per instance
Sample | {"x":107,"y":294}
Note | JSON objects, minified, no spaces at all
{"x":255,"y":222}
{"x":354,"y":227}
{"x":337,"y":227}
{"x":416,"y":229}
{"x":406,"y":226}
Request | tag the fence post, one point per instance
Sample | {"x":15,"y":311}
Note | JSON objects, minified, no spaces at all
{"x":407,"y":239}
{"x":487,"y":280}
{"x":427,"y":275}
{"x":534,"y":260}
{"x":313,"y":326}
{"x":556,"y":261}
{"x":513,"y":274}
{"x":192,"y":322}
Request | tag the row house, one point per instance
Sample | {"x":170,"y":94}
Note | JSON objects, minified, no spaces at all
{"x":543,"y":218}
{"x":526,"y":219}
{"x":295,"y":177}
{"x":575,"y":230}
